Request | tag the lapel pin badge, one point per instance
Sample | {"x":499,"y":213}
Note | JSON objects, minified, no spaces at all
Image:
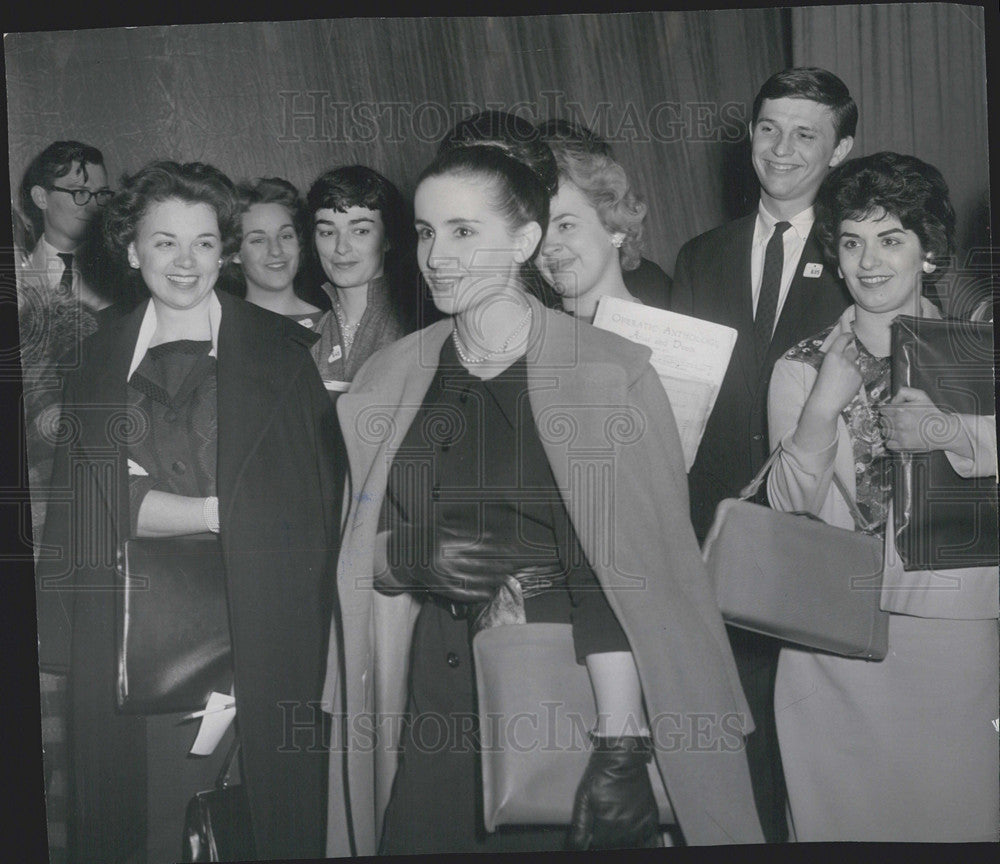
{"x":812,"y":271}
{"x":335,"y":354}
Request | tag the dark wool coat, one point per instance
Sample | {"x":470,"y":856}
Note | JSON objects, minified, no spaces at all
{"x":279,"y":470}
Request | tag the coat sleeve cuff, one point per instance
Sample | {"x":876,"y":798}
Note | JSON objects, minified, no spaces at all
{"x":982,"y":435}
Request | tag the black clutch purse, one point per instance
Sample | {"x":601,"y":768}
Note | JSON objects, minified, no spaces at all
{"x":944,"y":521}
{"x":174,"y":646}
{"x":217,"y":822}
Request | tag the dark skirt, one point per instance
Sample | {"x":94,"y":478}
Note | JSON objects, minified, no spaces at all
{"x":436,"y":802}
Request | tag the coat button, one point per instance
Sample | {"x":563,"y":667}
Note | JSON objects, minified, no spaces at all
{"x":435,"y":492}
{"x":179,"y":467}
{"x":453,"y":660}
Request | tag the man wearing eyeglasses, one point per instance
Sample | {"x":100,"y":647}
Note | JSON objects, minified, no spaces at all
{"x":61,"y":193}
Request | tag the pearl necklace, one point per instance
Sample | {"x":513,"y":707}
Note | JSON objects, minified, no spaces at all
{"x":465,"y":357}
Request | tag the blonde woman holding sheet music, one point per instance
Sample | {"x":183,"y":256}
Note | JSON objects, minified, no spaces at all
{"x":595,"y":235}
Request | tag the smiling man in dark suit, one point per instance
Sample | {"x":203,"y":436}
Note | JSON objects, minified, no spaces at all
{"x":764,"y":275}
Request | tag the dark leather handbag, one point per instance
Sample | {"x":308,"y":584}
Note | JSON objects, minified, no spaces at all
{"x":944,"y":521}
{"x":796,"y":578}
{"x":217,"y":823}
{"x":536,"y":707}
{"x":174,"y":647}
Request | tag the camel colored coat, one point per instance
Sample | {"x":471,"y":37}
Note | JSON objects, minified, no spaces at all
{"x":612,"y":443}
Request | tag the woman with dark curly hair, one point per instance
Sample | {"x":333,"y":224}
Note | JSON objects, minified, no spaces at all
{"x":176,"y":423}
{"x":902,"y":749}
{"x":595,"y":234}
{"x":269,"y":233}
{"x":360,"y":240}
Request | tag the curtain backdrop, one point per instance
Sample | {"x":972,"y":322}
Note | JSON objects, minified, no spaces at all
{"x":918,"y":74}
{"x":293,"y":99}
{"x":673,"y":89}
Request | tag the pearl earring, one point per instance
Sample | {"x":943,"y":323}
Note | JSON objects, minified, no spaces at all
{"x":617,"y":239}
{"x":929,"y":267}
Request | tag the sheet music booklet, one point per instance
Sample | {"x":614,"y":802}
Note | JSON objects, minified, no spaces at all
{"x":689,"y":355}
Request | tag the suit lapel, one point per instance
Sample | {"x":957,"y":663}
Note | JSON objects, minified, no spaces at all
{"x":115,"y":354}
{"x":569,"y":394}
{"x":802,"y":289}
{"x":375,"y":418}
{"x":107,"y":396}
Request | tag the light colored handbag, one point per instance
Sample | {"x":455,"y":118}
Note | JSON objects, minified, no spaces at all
{"x":796,"y":578}
{"x":536,"y":707}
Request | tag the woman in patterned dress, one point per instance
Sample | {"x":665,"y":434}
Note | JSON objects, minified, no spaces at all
{"x":902,"y":749}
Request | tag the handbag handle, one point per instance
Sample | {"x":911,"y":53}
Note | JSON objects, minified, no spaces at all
{"x":748,"y":491}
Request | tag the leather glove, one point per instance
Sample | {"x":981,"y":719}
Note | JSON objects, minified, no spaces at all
{"x":458,"y":567}
{"x":614,"y":806}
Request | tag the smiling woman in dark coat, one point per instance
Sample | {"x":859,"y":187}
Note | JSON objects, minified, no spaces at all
{"x":195,"y":412}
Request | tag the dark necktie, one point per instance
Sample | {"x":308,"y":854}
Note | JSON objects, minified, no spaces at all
{"x":770,"y":287}
{"x":65,"y":288}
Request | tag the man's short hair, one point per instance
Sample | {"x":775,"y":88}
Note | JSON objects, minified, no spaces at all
{"x":817,"y":85}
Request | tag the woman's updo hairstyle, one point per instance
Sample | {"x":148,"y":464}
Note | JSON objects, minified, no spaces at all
{"x":590,"y":167}
{"x":893,"y":184}
{"x":191,"y":182}
{"x":515,"y":135}
{"x":516,"y":192}
{"x":507,"y":153}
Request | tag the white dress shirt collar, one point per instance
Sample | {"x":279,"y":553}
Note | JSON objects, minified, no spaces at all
{"x":802,"y":223}
{"x":148,"y":328}
{"x":793,"y":242}
{"x":44,"y":259}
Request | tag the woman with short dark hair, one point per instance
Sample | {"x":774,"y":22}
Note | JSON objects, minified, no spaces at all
{"x":194,"y":413}
{"x":902,"y":749}
{"x":359,"y":238}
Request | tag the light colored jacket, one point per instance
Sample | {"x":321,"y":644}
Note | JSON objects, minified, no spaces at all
{"x":612,"y":443}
